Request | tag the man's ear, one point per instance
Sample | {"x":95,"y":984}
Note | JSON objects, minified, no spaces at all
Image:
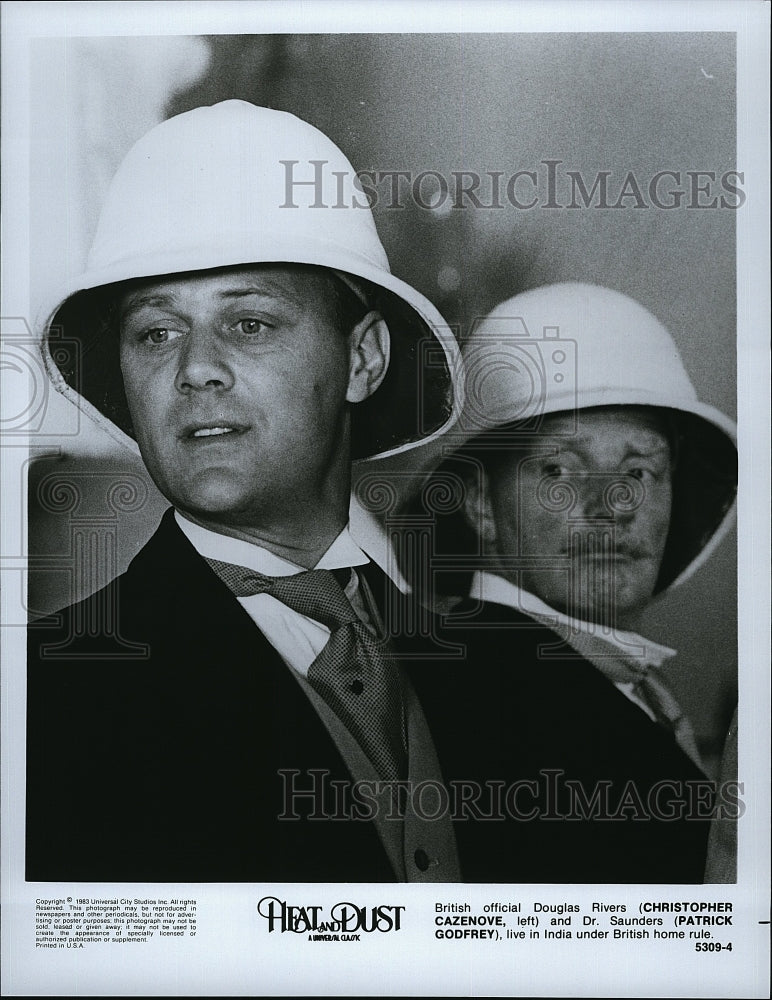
{"x":478,"y":509}
{"x":369,"y":351}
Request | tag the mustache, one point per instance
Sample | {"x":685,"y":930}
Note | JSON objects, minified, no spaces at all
{"x":598,"y":545}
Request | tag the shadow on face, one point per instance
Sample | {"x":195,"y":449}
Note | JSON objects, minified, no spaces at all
{"x":238,"y":382}
{"x":579,"y":514}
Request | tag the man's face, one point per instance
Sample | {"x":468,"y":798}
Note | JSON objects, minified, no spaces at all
{"x":237,"y":383}
{"x":595,"y":547}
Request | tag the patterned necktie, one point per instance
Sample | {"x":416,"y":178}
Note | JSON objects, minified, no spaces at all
{"x":354,"y":673}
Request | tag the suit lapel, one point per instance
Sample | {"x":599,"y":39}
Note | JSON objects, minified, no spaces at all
{"x":250,"y":735}
{"x":214,"y":653}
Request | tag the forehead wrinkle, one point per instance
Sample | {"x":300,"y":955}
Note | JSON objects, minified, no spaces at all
{"x":170,"y":299}
{"x":136,"y":300}
{"x":631,"y":430}
{"x":299,"y":289}
{"x":584,"y":445}
{"x":257,"y":291}
{"x":238,"y":284}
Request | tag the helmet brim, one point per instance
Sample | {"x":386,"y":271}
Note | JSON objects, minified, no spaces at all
{"x":419,"y":399}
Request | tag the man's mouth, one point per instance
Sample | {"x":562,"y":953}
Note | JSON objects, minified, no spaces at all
{"x":212,"y":430}
{"x":616,"y":557}
{"x":601,"y":553}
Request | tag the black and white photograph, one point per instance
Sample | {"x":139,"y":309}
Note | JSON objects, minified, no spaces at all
{"x":385,"y":449}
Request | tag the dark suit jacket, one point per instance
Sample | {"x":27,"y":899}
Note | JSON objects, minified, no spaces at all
{"x":160,"y":722}
{"x":616,"y":799}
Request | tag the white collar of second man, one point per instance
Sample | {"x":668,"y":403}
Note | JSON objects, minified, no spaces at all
{"x":497,"y":590}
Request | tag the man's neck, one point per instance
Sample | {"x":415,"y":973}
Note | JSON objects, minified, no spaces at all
{"x":302,"y":545}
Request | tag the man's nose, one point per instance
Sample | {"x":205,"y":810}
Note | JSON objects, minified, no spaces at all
{"x":590,"y":505}
{"x":202,"y":363}
{"x":604,"y":497}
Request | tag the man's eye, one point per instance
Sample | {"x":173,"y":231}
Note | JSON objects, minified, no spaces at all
{"x":159,"y":335}
{"x":250,"y":326}
{"x":641,"y":473}
{"x":554,"y":471}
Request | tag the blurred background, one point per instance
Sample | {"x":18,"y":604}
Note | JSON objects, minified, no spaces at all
{"x":475,"y":102}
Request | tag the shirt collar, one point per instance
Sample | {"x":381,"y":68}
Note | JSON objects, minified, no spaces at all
{"x":361,"y":541}
{"x":495,"y":589}
{"x":343,"y":552}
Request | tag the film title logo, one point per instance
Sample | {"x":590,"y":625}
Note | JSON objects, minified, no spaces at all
{"x":345,"y":921}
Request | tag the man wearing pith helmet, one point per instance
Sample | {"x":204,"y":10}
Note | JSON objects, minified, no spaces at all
{"x":251,"y":342}
{"x":593,"y":479}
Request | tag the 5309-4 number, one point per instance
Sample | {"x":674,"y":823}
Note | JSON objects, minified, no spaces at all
{"x":712,"y":946}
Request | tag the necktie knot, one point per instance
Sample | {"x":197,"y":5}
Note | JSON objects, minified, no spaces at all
{"x":314,"y":593}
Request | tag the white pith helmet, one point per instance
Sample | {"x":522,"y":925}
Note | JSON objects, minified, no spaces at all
{"x":572,"y":346}
{"x":235,"y":184}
